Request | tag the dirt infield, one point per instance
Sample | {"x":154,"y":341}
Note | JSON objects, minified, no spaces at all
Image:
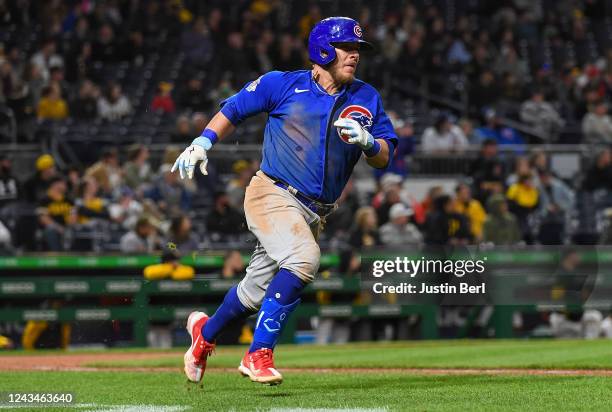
{"x":79,"y":362}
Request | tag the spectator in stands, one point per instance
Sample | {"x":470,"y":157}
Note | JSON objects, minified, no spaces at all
{"x":89,"y":205}
{"x":599,"y":175}
{"x":488,"y":172}
{"x":137,"y":170}
{"x":365,"y":230}
{"x":243,"y":172}
{"x":55,"y":213}
{"x":51,"y":105}
{"x":134,"y":50}
{"x":105,"y":48}
{"x":141,"y":239}
{"x":399,"y":231}
{"x":197,"y":44}
{"x":348,"y":202}
{"x":170,"y":196}
{"x":521,"y":166}
{"x":474,"y":137}
{"x":233,"y":265}
{"x":194,"y":97}
{"x":127,"y":210}
{"x":541,"y":116}
{"x":223,"y":90}
{"x":500,"y":226}
{"x":443,"y":137}
{"x":523,"y":199}
{"x":85,"y":106}
{"x":56,"y":77}
{"x":485,"y":92}
{"x":503,"y":135}
{"x":46,"y":58}
{"x":181,"y":235}
{"x":163,"y":102}
{"x":107,"y":171}
{"x":35,"y":188}
{"x":10,"y":190}
{"x":405,"y":146}
{"x":183,"y":130}
{"x":287,"y":56}
{"x":471,"y":208}
{"x":199,"y":121}
{"x":597,"y":124}
{"x":539,"y":161}
{"x":390,"y":193}
{"x":80,"y":66}
{"x":224,"y":220}
{"x":556,"y":204}
{"x":444,"y":226}
{"x":113,"y":105}
{"x":422,"y":209}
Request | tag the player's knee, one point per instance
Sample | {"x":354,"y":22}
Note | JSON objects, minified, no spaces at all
{"x":250,"y":296}
{"x":306,"y":264}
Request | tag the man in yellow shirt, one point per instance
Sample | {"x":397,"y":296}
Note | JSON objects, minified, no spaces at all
{"x":470,"y":208}
{"x":51,"y":105}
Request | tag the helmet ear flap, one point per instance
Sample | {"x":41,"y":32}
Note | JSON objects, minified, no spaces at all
{"x":327,"y":54}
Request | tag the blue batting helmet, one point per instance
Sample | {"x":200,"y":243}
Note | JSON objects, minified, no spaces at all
{"x":329,"y":31}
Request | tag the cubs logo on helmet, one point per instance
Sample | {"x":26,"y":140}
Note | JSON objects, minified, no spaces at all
{"x":358,"y":113}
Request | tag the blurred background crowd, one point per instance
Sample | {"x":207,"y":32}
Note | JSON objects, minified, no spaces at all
{"x":501,"y":108}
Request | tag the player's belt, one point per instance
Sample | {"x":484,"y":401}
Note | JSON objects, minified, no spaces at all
{"x":321,"y":209}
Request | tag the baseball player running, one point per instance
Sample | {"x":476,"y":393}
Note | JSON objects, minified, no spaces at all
{"x":320,"y":122}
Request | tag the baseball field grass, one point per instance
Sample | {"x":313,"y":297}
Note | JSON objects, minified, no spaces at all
{"x":539,"y":375}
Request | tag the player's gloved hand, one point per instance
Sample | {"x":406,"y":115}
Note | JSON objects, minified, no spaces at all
{"x":187,"y":160}
{"x":358,"y":135}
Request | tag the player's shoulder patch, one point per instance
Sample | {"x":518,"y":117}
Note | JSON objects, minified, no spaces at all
{"x":253,"y":86}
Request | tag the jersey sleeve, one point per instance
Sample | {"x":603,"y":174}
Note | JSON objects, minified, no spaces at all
{"x":382,"y":127}
{"x":258,"y":96}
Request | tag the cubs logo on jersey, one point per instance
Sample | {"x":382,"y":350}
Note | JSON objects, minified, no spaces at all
{"x":359,"y":114}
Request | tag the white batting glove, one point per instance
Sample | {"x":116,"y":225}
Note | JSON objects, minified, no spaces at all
{"x":187,"y":160}
{"x":358,"y":135}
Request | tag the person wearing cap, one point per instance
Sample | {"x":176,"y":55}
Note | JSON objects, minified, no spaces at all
{"x":500,"y":226}
{"x":399,"y":231}
{"x":36,"y":186}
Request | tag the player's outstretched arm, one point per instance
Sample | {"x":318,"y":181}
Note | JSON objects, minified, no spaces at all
{"x":376,"y":151}
{"x":218,"y":128}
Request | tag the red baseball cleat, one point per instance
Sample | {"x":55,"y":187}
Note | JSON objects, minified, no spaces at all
{"x":259,"y":367}
{"x":200,"y":350}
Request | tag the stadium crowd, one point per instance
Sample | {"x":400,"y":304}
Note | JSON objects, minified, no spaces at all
{"x":510,"y":63}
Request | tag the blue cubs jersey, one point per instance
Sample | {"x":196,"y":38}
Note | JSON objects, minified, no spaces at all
{"x":301,"y":146}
